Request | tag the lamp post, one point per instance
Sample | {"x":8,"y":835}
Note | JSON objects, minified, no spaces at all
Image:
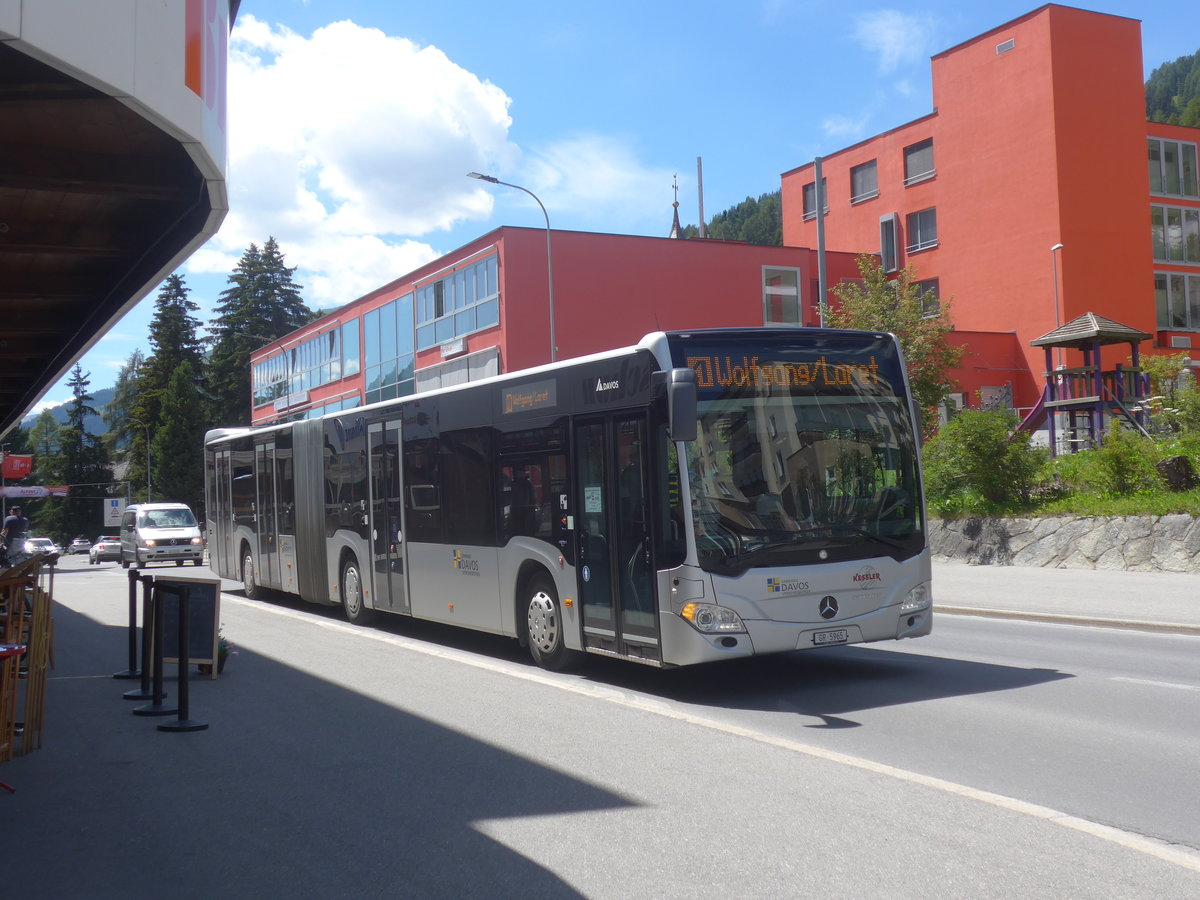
{"x":147,"y":427}
{"x":1057,"y":315}
{"x":549,"y":269}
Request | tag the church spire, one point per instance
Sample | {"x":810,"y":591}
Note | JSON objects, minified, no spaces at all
{"x":676,"y":229}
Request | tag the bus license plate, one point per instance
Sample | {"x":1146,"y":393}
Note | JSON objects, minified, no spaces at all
{"x":830,"y":637}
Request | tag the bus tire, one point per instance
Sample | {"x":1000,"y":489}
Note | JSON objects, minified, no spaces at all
{"x":351,"y":590}
{"x":253,"y":592}
{"x":545,"y":626}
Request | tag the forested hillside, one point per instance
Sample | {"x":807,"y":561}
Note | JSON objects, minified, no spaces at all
{"x":1173,"y":92}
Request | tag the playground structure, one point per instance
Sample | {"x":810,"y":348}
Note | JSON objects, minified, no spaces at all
{"x":1077,"y":403}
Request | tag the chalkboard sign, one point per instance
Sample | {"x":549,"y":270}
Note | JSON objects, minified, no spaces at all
{"x":204,"y":616}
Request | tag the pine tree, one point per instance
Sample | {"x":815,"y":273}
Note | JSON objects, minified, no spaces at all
{"x":84,"y":465}
{"x":177,"y":450}
{"x":44,"y":515}
{"x":262,"y":303}
{"x":173,"y":340}
{"x":882,"y":304}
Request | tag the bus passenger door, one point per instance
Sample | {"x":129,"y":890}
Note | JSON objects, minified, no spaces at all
{"x":387,"y":538}
{"x":614,"y":553}
{"x":264,"y":521}
{"x":222,"y":554}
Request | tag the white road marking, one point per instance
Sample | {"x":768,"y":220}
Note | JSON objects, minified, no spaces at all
{"x":1184,"y":857}
{"x":1163,"y":684}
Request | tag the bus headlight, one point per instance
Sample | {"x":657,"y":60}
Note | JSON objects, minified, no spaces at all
{"x":711,"y":619}
{"x":918,"y":598}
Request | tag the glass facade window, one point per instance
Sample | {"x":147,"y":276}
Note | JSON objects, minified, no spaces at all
{"x":864,"y":182}
{"x":781,"y":297}
{"x":313,"y":362}
{"x":922,"y":230}
{"x":388,"y":358}
{"x":458,"y":304}
{"x":918,"y":162}
{"x":1175,"y":234}
{"x":1173,"y":169}
{"x":1177,"y":300}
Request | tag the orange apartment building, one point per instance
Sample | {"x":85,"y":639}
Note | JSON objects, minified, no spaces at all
{"x":485,"y":309}
{"x":1036,"y":165}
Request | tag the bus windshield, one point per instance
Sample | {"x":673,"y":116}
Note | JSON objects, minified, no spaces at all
{"x":805,"y":451}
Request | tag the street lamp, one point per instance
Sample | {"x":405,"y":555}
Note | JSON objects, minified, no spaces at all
{"x":549,"y":269}
{"x":147,"y":427}
{"x":1057,"y":316}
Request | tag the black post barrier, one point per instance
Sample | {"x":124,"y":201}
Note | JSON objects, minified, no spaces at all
{"x":144,"y":692}
{"x":183,"y":723}
{"x":133,"y":671}
{"x":156,"y":708}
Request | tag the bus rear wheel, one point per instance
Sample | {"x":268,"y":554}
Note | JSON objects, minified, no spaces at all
{"x":352,"y":593}
{"x":545,"y":627}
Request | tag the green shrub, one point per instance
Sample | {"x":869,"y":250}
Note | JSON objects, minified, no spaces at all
{"x":1124,"y":463}
{"x":977,"y":456}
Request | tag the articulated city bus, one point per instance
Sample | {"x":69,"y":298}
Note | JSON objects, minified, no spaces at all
{"x":701,"y":496}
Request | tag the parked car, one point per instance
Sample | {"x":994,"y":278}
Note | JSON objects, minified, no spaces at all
{"x":80,"y":545}
{"x":35,"y":545}
{"x":106,"y":549}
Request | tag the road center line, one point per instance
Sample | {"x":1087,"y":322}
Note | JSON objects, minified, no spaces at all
{"x":1184,"y":857}
{"x":1163,"y":684}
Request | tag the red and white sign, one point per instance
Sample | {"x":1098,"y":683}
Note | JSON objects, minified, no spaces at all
{"x":17,"y":465}
{"x":54,"y":490}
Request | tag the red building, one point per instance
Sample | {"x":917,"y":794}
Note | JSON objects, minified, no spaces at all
{"x":1024,"y":197}
{"x":485,"y":309}
{"x":1023,"y":200}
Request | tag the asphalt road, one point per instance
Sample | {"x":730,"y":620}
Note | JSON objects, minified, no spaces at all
{"x":992,"y":758}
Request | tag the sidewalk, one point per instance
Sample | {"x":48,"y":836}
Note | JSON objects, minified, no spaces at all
{"x":1148,"y":601}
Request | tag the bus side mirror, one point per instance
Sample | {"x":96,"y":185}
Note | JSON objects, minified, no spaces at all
{"x":681,"y":404}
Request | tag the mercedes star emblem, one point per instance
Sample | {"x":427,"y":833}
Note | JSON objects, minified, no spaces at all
{"x":828,"y":607}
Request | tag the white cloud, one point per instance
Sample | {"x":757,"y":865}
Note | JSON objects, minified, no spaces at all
{"x":898,"y":39}
{"x":346,"y":146}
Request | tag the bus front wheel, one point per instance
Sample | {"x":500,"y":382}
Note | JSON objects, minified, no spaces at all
{"x":352,"y":593}
{"x":248,"y":580}
{"x":545,"y":626}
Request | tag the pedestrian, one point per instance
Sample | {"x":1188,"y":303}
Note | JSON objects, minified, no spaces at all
{"x":12,"y":536}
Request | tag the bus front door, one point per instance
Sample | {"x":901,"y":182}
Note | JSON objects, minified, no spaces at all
{"x":615,"y":553}
{"x":387,"y":538}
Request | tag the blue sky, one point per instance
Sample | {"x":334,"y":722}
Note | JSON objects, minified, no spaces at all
{"x":353,"y":123}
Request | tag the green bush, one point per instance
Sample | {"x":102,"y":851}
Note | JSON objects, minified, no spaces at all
{"x":978,"y":457}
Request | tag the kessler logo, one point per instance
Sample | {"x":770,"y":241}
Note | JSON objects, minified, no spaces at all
{"x":866,"y":575}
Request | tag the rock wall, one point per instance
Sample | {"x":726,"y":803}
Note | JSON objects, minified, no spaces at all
{"x":1137,"y":543}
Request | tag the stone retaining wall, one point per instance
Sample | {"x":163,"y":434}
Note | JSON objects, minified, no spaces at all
{"x":1137,"y":543}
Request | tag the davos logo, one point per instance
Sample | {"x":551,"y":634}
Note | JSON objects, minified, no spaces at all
{"x":628,"y":381}
{"x":465,"y":563}
{"x":783,"y":586}
{"x":346,"y":434}
{"x":867,"y":575}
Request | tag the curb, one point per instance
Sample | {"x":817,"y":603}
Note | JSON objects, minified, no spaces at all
{"x":1058,"y":619}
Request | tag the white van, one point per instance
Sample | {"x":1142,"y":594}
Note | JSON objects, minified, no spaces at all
{"x":160,"y":532}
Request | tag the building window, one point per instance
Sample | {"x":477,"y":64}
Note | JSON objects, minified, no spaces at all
{"x":781,"y":297}
{"x":931,"y":304}
{"x":312,"y":363}
{"x":864,"y":182}
{"x":458,"y":304}
{"x":918,"y":162}
{"x":889,"y":257}
{"x":1173,"y":168}
{"x":1177,"y":299}
{"x":810,"y":200}
{"x":922,"y":230}
{"x":1175,"y":234}
{"x":388,"y":357}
